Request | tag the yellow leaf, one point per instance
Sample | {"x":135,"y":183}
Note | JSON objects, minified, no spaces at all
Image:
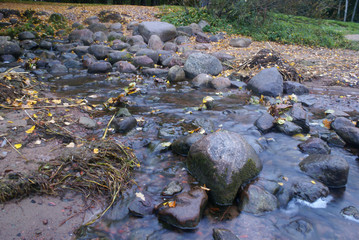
{"x":10,"y":121}
{"x":56,"y":101}
{"x":280,"y":183}
{"x":34,"y":115}
{"x":49,"y":114}
{"x":17,"y":146}
{"x":31,"y":130}
{"x":138,"y":165}
{"x":172,"y":204}
{"x":313,"y":182}
{"x":96,"y":150}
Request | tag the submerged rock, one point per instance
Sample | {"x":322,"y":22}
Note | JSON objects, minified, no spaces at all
{"x":350,"y":211}
{"x":331,"y":170}
{"x":142,"y":205}
{"x":172,"y":188}
{"x":223,"y":161}
{"x":289,"y":128}
{"x":256,"y":200}
{"x":223,"y":234}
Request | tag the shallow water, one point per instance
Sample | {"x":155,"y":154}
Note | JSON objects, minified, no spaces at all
{"x":167,"y":107}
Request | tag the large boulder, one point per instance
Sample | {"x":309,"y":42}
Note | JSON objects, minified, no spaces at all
{"x":268,"y":82}
{"x":198,"y":63}
{"x":10,"y":48}
{"x":240,"y":42}
{"x":346,"y":130}
{"x":223,"y":161}
{"x":165,"y":31}
{"x":331,"y":170}
{"x":185,"y":211}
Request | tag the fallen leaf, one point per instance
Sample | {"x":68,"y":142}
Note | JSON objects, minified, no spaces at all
{"x":31,"y":130}
{"x":56,"y":101}
{"x":280,"y":184}
{"x":71,"y":145}
{"x":329,"y":111}
{"x":18,"y":145}
{"x":327,"y":123}
{"x":172,"y":204}
{"x":141,"y":196}
{"x":96,"y":150}
{"x":313,"y":182}
{"x":38,"y":142}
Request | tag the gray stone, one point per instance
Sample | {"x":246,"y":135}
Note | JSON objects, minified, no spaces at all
{"x":170,"y":46}
{"x":10,"y":48}
{"x":88,"y":60}
{"x":143,"y":61}
{"x":198,"y":63}
{"x":111,"y":36}
{"x":125,"y":67}
{"x":83,"y":35}
{"x":176,"y":74}
{"x":202,"y":81}
{"x":26,"y":36}
{"x":195,"y":28}
{"x":183,"y":144}
{"x":124,"y":124}
{"x":157,"y":72}
{"x":134,"y":40}
{"x":265,"y":122}
{"x":132,"y":25}
{"x":289,"y":128}
{"x":149,"y":53}
{"x":91,"y":20}
{"x":314,"y":145}
{"x":7,"y":58}
{"x":223,"y":234}
{"x":165,"y":31}
{"x":222,"y":56}
{"x":64,"y":47}
{"x":296,"y":88}
{"x":350,"y":211}
{"x":81,"y":50}
{"x":120,"y":46}
{"x":99,"y":36}
{"x":182,"y":39}
{"x":331,"y":170}
{"x":98,"y":27}
{"x":45,"y":44}
{"x":256,"y":200}
{"x":28,"y":44}
{"x":220,"y":83}
{"x":116,"y":56}
{"x":100,"y":51}
{"x":72,"y":64}
{"x":142,"y":205}
{"x":268,"y":82}
{"x":116,"y":27}
{"x":202,"y":38}
{"x":100,"y":67}
{"x":240,"y":42}
{"x":172,"y":188}
{"x":123,"y":112}
{"x":155,"y":43}
{"x":300,"y":116}
{"x":58,"y":69}
{"x":346,"y":130}
{"x":188,"y":209}
{"x":87,"y":122}
{"x":202,"y":24}
{"x":57,"y":18}
{"x":185,"y":29}
{"x":223,"y":161}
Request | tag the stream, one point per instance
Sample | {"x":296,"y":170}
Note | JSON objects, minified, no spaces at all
{"x":169,"y":111}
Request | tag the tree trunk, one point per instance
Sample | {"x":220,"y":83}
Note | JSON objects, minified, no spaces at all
{"x":346,"y":10}
{"x":355,"y":9}
{"x":339,"y":8}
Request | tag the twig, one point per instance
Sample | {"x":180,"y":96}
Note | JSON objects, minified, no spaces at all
{"x":225,"y":212}
{"x":108,"y":125}
{"x":82,"y":211}
{"x":29,"y":116}
{"x":16,"y":150}
{"x":38,"y":107}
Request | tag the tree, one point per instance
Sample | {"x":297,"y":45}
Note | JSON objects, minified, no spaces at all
{"x":346,"y":10}
{"x":355,"y":9}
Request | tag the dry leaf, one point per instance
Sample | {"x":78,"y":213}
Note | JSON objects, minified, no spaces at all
{"x":17,"y":146}
{"x":141,"y":196}
{"x":95,"y":151}
{"x":327,"y":123}
{"x":172,"y":204}
{"x":71,"y":145}
{"x":31,"y":130}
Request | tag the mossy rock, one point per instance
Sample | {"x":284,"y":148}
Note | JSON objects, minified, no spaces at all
{"x":57,"y":18}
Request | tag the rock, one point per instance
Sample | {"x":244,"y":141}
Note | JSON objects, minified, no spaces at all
{"x":123,"y":112}
{"x":100,"y":37}
{"x":220,"y":83}
{"x":202,"y":38}
{"x":142,"y":205}
{"x":143,"y":61}
{"x":176,"y":74}
{"x":256,"y":200}
{"x":26,"y":36}
{"x":120,"y":45}
{"x":155,"y":43}
{"x":314,"y":145}
{"x":182,"y":39}
{"x":98,"y":27}
{"x":300,"y":229}
{"x":149,"y":53}
{"x":45,"y":44}
{"x":72,"y":64}
{"x":223,"y":234}
{"x":64,"y":47}
{"x":350,"y":211}
{"x":132,"y":25}
{"x":116,"y":27}
{"x":335,"y":140}
{"x":125,"y":67}
{"x":99,"y":51}
{"x":223,"y":161}
{"x":289,"y":128}
{"x":1,"y":16}
{"x":87,"y":122}
{"x":111,"y":36}
{"x":300,"y":117}
{"x":183,"y":144}
{"x":91,"y":20}
{"x":346,"y":130}
{"x":100,"y":67}
{"x":83,"y":35}
{"x":170,"y":46}
{"x":136,"y":40}
{"x":108,"y":15}
{"x":172,"y":188}
{"x":268,"y":82}
{"x":195,"y":28}
{"x":157,"y":72}
{"x":58,"y":69}
{"x":81,"y":50}
{"x":116,"y":56}
{"x":185,"y":29}
{"x":187,"y":211}
{"x":7,"y":58}
{"x":124,"y":124}
{"x":77,"y":25}
{"x":265,"y":122}
{"x":296,"y":88}
{"x":198,"y":63}
{"x":10,"y":48}
{"x":331,"y":170}
{"x":202,"y":24}
{"x":57,"y":18}
{"x":240,"y":42}
{"x":163,"y":55}
{"x":222,"y":56}
{"x":28,"y":44}
{"x":173,"y":61}
{"x":165,"y":31}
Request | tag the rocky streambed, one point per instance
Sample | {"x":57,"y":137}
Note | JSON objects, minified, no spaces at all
{"x":221,"y":154}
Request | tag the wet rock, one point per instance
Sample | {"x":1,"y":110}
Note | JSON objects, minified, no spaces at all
{"x":223,"y":161}
{"x":10,"y":48}
{"x":81,"y":50}
{"x":98,"y":27}
{"x":124,"y":124}
{"x":265,"y":122}
{"x":172,"y":188}
{"x":289,"y":128}
{"x":296,"y":88}
{"x":187,"y":211}
{"x":170,"y":46}
{"x":83,"y":35}
{"x":300,"y":117}
{"x":157,"y":72}
{"x":202,"y":38}
{"x":240,"y":42}
{"x":87,"y":122}
{"x":176,"y":74}
{"x":116,"y":56}
{"x":125,"y":67}
{"x":165,"y":31}
{"x":331,"y":170}
{"x":123,"y":112}
{"x":220,"y":83}
{"x":100,"y":36}
{"x":205,"y":124}
{"x":335,"y":140}
{"x":268,"y":82}
{"x":223,"y":234}
{"x":182,"y":145}
{"x":100,"y":67}
{"x":346,"y":130}
{"x":198,"y":63}
{"x":116,"y":27}
{"x":149,"y":53}
{"x":99,"y":51}
{"x":155,"y":43}
{"x":350,"y":211}
{"x":57,"y":69}
{"x":26,"y":36}
{"x":143,"y":61}
{"x":142,"y":205}
{"x":72,"y":64}
{"x":45,"y":45}
{"x":256,"y":200}
{"x":300,"y":229}
{"x":270,"y":186}
{"x":314,"y":145}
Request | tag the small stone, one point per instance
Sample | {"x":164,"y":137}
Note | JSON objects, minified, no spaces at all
{"x":223,"y":234}
{"x":172,"y":188}
{"x":87,"y":122}
{"x":45,"y":222}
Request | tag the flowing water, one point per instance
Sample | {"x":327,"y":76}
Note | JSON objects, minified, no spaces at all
{"x":168,"y":112}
